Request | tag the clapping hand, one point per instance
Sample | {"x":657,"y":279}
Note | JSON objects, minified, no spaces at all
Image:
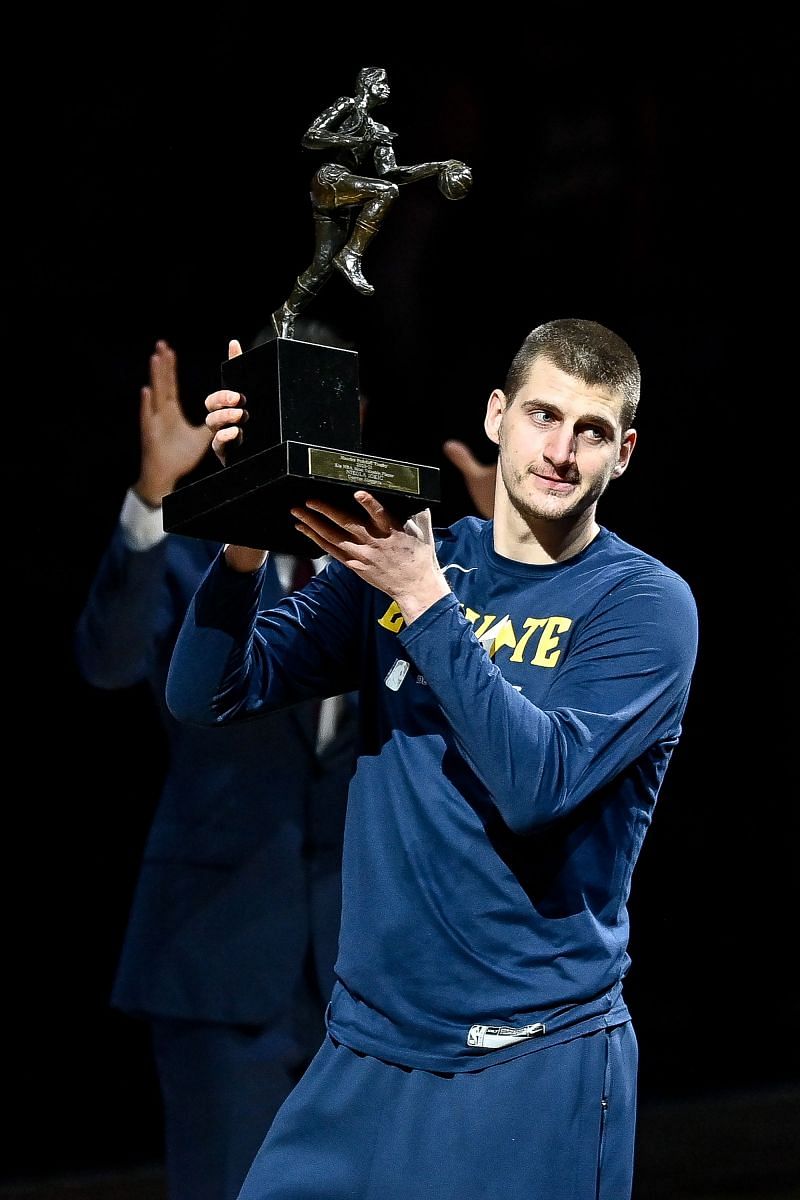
{"x":171,"y":445}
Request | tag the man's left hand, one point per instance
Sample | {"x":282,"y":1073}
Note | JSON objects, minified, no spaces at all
{"x":399,"y":560}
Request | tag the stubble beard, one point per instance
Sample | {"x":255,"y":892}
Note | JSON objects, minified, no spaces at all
{"x":540,"y":508}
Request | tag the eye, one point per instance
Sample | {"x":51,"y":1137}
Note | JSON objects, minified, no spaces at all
{"x":594,"y":434}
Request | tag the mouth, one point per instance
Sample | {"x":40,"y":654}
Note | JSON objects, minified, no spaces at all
{"x":551,"y":483}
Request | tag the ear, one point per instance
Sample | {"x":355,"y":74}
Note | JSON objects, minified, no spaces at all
{"x":625,"y":451}
{"x":494,"y":414}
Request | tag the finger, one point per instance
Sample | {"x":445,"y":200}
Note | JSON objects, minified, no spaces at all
{"x":460,"y":456}
{"x":317,"y":538}
{"x":225,"y":418}
{"x":223,"y":440}
{"x":146,"y":402}
{"x":234,"y":348}
{"x":226,"y":436}
{"x":341,"y":551}
{"x":164,"y":350}
{"x":327,"y":521}
{"x":377,"y":513}
{"x":224,"y":399}
{"x":163,"y":376}
{"x":337,"y":516}
{"x":336,"y":534}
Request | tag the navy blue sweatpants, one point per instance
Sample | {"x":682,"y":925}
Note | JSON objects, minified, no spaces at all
{"x":554,"y":1124}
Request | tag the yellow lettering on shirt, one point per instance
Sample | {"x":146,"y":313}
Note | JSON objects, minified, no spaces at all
{"x":547,"y":652}
{"x":392,"y":619}
{"x":497,"y":635}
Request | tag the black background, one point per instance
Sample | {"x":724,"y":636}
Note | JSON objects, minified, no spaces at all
{"x":638,"y":177}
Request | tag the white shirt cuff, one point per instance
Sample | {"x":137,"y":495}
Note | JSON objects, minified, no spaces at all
{"x":142,"y":526}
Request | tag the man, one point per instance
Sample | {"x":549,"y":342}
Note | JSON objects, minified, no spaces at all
{"x":231,"y":939}
{"x":350,"y":200}
{"x":523,"y":683}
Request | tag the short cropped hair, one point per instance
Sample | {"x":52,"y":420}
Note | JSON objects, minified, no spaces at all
{"x":587,"y":351}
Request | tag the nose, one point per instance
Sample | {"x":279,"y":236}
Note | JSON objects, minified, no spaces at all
{"x":560,"y":448}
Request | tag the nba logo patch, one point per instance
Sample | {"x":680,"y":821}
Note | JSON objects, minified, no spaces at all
{"x":396,"y":674}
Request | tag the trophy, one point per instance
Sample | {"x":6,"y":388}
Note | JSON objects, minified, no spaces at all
{"x":302,"y":437}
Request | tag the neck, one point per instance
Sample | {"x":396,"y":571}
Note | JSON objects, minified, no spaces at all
{"x":541,"y":542}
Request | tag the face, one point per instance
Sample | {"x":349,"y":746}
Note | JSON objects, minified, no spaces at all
{"x":561,"y":443}
{"x":379,"y":89}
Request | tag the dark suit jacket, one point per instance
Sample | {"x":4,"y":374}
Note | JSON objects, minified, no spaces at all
{"x":241,"y":869}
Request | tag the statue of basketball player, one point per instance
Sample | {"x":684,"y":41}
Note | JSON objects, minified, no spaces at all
{"x":348,"y":206}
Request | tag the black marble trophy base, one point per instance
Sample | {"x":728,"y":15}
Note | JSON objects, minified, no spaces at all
{"x":302,"y":440}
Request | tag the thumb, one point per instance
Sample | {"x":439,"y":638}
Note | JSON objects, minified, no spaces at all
{"x":234,"y":348}
{"x":420,"y":526}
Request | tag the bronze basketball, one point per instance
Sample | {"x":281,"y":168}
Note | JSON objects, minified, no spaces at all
{"x":455,"y":180}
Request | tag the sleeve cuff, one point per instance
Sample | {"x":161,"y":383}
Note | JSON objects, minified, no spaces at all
{"x":142,"y":526}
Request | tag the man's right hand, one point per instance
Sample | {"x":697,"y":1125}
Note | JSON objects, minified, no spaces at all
{"x":170,"y":445}
{"x":226,"y":413}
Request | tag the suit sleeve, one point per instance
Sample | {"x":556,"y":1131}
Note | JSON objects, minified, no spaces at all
{"x":127,"y":615}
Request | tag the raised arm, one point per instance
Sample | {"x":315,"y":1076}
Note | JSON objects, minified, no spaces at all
{"x":130,"y":609}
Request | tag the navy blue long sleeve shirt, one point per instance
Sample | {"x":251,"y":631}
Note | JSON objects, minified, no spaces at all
{"x":513,"y":741}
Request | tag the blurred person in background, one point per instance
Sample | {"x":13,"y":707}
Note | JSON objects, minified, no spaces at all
{"x":232,"y":934}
